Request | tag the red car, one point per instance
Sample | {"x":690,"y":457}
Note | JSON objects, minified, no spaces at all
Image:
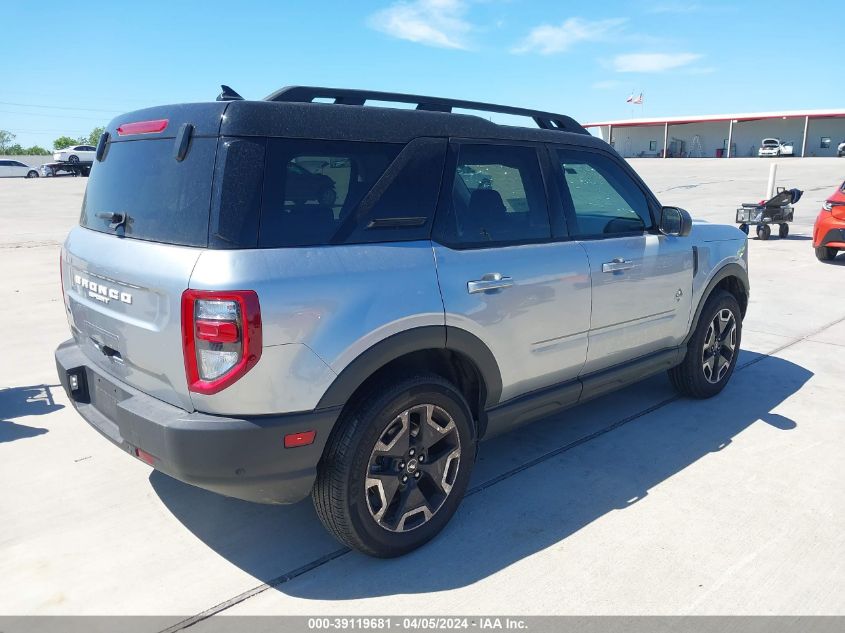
{"x":829,"y":229}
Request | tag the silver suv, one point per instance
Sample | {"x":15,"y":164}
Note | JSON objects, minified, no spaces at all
{"x":276,"y":298}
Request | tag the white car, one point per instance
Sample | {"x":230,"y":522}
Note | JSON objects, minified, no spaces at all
{"x":15,"y":168}
{"x":75,"y":154}
{"x":774,"y":147}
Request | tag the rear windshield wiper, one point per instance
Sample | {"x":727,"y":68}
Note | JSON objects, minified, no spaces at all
{"x":115,"y":218}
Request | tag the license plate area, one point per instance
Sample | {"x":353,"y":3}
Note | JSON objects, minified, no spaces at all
{"x":104,"y":396}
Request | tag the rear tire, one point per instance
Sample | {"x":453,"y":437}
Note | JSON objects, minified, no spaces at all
{"x":396,"y":467}
{"x":713,"y":349}
{"x":764,"y":231}
{"x":32,"y":174}
{"x":825,"y":253}
{"x":783,"y":231}
{"x":73,"y":158}
{"x":744,"y":228}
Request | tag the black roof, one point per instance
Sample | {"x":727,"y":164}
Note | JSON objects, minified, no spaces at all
{"x":345,"y":96}
{"x":292,"y":112}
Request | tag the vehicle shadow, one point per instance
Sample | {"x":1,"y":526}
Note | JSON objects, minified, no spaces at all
{"x":18,"y":402}
{"x":534,"y":508}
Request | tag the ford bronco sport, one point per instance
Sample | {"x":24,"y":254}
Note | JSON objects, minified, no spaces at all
{"x":307,"y":294}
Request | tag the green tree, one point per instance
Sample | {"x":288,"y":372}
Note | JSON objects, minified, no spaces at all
{"x":65,"y":141}
{"x":6,"y":139}
{"x":94,"y":136}
{"x":36,"y":150}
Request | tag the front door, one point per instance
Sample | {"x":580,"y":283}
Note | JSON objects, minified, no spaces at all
{"x":502,"y":276}
{"x":641,"y":279}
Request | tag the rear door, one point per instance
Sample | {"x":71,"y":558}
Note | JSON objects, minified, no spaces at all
{"x":641,"y":279}
{"x":144,"y":223}
{"x":5,"y":168}
{"x":504,"y":274}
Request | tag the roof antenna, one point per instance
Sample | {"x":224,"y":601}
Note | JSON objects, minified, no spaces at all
{"x":227,"y":94}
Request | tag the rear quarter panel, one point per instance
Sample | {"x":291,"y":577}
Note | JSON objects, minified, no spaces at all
{"x":320,"y":307}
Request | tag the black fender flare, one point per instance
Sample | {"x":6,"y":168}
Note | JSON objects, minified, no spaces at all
{"x":728,"y":270}
{"x":415,"y":340}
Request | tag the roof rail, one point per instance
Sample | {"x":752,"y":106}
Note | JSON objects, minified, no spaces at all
{"x":307,"y":94}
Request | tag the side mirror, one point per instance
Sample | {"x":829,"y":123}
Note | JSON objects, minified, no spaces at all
{"x":675,"y":221}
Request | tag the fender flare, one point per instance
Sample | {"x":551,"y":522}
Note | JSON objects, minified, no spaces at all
{"x":728,"y":270}
{"x":415,"y":340}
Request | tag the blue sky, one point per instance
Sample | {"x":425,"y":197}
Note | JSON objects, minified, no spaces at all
{"x":579,"y":58}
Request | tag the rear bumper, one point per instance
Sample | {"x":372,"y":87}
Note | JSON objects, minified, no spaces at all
{"x":241,"y":457}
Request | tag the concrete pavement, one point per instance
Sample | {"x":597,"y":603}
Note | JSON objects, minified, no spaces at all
{"x":637,"y":503}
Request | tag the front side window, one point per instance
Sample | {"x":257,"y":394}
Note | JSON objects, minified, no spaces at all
{"x":497,"y":198}
{"x":603,"y":199}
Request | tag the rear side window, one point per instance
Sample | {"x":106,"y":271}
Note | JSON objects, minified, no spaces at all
{"x":603,"y":198}
{"x":341,"y":192}
{"x":164,"y":200}
{"x":498,"y":198}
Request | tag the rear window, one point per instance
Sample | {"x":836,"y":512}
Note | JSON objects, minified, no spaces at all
{"x":340,"y":192}
{"x":164,"y":200}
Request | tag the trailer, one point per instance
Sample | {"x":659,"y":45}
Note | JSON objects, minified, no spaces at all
{"x":67,"y":168}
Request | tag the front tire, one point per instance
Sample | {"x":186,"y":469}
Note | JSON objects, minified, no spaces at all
{"x":825,"y":253}
{"x":713,"y":349}
{"x":764,"y":231}
{"x":396,"y":468}
{"x":783,"y":231}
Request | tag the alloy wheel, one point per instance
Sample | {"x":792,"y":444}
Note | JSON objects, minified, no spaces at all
{"x":412,"y":468}
{"x":719,"y":346}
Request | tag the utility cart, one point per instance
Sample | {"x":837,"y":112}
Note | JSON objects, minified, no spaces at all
{"x":777,"y":210}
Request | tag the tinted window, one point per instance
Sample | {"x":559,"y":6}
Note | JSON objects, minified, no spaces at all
{"x":311,"y":188}
{"x":603,"y":199}
{"x":165,"y":200}
{"x":497,"y":198}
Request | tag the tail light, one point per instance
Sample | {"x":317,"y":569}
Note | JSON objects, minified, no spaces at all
{"x":221,"y":337}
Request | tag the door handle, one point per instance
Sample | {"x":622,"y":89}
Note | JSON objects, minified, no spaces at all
{"x":490,"y":281}
{"x":616,"y":265}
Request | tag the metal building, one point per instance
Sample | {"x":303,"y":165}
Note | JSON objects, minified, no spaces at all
{"x":813,"y":133}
